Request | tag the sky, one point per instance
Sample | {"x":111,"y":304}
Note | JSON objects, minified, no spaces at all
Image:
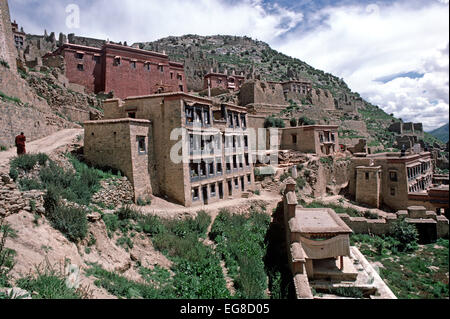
{"x":394,"y":53}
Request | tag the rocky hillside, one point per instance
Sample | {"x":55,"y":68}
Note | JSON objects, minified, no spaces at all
{"x":243,"y":54}
{"x":441,"y":133}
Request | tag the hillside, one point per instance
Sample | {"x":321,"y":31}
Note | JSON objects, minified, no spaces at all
{"x":200,"y":54}
{"x":441,"y":133}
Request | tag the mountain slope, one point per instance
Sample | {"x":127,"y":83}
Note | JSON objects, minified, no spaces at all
{"x":441,"y":133}
{"x":200,"y":54}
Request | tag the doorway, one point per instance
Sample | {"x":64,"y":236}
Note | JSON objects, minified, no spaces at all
{"x":205,"y":194}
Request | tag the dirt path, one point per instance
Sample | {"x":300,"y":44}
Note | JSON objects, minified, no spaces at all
{"x":43,"y":145}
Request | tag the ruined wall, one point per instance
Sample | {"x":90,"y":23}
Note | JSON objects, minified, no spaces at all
{"x":259,"y":92}
{"x":33,"y":122}
{"x":323,"y":99}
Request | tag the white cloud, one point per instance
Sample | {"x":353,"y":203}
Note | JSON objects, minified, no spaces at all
{"x":363,"y":43}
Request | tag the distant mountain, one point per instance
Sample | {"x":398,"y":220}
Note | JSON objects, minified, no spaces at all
{"x":441,"y":133}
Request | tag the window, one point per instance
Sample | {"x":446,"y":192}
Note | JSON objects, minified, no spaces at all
{"x":181,"y":88}
{"x":133,"y":64}
{"x":206,"y":116}
{"x":219,"y":166}
{"x":243,"y":121}
{"x":236,"y":120}
{"x":202,"y":169}
{"x":161,"y":68}
{"x":249,"y":179}
{"x":236,"y":183}
{"x":213,"y":190}
{"x":132,"y":115}
{"x":211,"y":168}
{"x":393,"y":176}
{"x":189,"y":115}
{"x":142,"y":148}
{"x":228,"y":163}
{"x":241,"y":162}
{"x":117,"y":61}
{"x":392,"y":191}
{"x":195,"y":194}
{"x":171,"y":75}
{"x":230,"y":119}
{"x":367,"y":176}
{"x":235,"y":164}
{"x":294,"y":138}
{"x":96,"y":58}
{"x":247,"y":163}
{"x":245,"y":141}
{"x":80,"y":67}
{"x":193,"y":168}
{"x":180,"y":77}
{"x":79,"y":56}
{"x":147,"y":66}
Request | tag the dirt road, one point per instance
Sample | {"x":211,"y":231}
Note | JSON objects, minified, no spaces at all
{"x":43,"y":145}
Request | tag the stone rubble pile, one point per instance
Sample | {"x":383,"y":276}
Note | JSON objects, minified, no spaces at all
{"x":115,"y":192}
{"x":12,"y":200}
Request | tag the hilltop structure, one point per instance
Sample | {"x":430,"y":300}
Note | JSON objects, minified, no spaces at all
{"x":224,"y":81}
{"x":120,"y":69}
{"x":137,"y":137}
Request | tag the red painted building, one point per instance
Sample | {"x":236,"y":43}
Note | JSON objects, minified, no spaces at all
{"x":123,"y":70}
{"x":227,"y":82}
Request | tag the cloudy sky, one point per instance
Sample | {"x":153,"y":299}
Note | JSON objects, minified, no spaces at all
{"x":394,"y":53}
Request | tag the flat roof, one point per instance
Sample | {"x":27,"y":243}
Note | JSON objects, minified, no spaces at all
{"x":316,"y":221}
{"x":115,"y":121}
{"x":169,"y":94}
{"x":311,"y":127}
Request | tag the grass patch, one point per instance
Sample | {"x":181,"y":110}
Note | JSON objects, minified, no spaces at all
{"x":240,"y":242}
{"x":28,"y":161}
{"x":6,"y":254}
{"x":422,"y":274}
{"x":72,"y":222}
{"x":7,"y":98}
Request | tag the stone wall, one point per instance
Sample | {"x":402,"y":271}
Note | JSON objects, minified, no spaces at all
{"x":114,"y":143}
{"x":7,"y":46}
{"x":259,"y":92}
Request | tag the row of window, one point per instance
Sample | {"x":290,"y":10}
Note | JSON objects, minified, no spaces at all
{"x":209,"y":168}
{"x":198,"y":115}
{"x":327,"y":137}
{"x":236,"y":119}
{"x":421,"y":185}
{"x":215,"y":190}
{"x":211,"y":143}
{"x":416,"y":171}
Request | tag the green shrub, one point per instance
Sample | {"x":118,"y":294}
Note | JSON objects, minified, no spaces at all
{"x":293,"y":122}
{"x":152,"y":225}
{"x":72,"y":222}
{"x":305,"y":121}
{"x":28,"y":184}
{"x":48,"y":284}
{"x":406,"y":234}
{"x":6,"y":254}
{"x":14,"y":174}
{"x":284,"y":177}
{"x":4,"y":63}
{"x":127,"y":212}
{"x":369,"y":215}
{"x":300,"y":182}
{"x":27,"y":162}
{"x":143,"y":202}
{"x":51,"y":200}
{"x":3,"y":148}
{"x":112,"y":223}
{"x":271,"y":121}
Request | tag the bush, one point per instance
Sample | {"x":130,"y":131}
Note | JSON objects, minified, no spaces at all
{"x":112,"y":223}
{"x":6,"y":255}
{"x":28,"y":184}
{"x":293,"y":122}
{"x":127,"y":212}
{"x":305,"y":121}
{"x":406,"y":234}
{"x":271,"y":121}
{"x":28,"y":161}
{"x":301,"y":183}
{"x":13,"y":173}
{"x":152,"y":225}
{"x":72,"y":222}
{"x":143,"y":202}
{"x":284,"y":177}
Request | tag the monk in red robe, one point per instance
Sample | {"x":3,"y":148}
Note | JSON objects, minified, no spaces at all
{"x":20,"y":144}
